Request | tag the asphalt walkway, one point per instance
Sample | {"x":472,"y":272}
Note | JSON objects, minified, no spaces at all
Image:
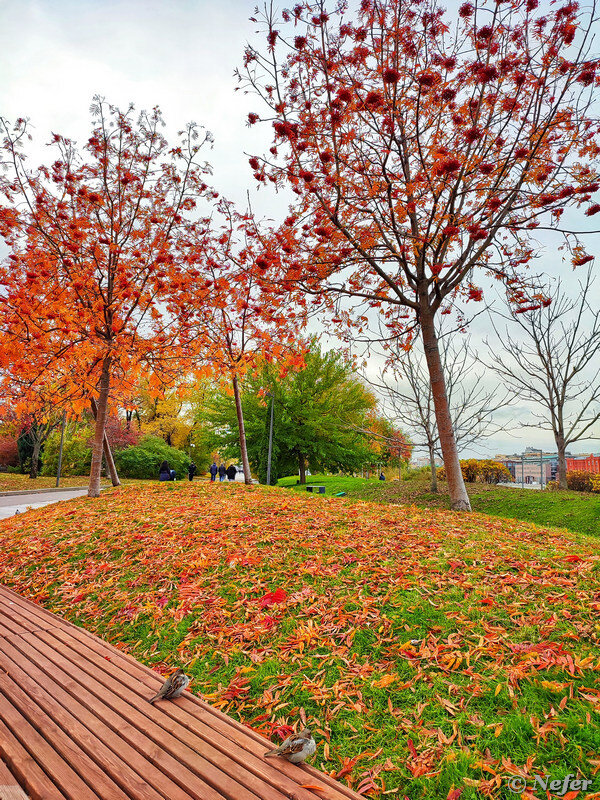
{"x":10,"y":504}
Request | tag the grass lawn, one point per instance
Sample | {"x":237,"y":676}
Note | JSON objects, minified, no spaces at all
{"x":578,"y":511}
{"x":12,"y":482}
{"x":430,"y":651}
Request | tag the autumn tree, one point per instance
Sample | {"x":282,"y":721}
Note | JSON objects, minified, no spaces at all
{"x":84,"y":290}
{"x":247,"y":321}
{"x":389,"y":445}
{"x":423,"y":151}
{"x":551,"y":357}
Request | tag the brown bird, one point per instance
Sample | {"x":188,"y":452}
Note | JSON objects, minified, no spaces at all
{"x":296,"y":748}
{"x":174,"y":686}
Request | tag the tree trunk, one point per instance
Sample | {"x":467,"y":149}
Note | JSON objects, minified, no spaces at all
{"x":98,"y":444}
{"x":108,"y":456}
{"x":459,"y":499}
{"x":562,"y":460}
{"x":434,"y":481}
{"x":242,"y":431}
{"x":35,"y":458}
{"x":302,"y":469}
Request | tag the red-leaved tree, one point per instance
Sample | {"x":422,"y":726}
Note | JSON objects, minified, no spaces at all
{"x":83,"y":292}
{"x":247,"y":320}
{"x":424,"y":149}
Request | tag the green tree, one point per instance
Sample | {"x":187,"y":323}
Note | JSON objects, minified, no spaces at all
{"x":321,"y":417}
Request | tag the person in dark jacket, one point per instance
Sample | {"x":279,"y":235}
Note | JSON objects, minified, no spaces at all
{"x":165,"y":473}
{"x":213,"y":469}
{"x":192,"y":470}
{"x":381,"y":476}
{"x":222,"y":472}
{"x":231,"y":472}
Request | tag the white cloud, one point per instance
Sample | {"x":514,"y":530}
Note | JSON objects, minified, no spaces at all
{"x":179,"y":55}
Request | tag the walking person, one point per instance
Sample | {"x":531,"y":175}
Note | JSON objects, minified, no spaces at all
{"x":231,"y":472}
{"x":213,"y":469}
{"x":192,"y":470}
{"x":222,"y":472}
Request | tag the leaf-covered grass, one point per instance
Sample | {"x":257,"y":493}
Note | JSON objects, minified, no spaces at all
{"x":430,"y":651}
{"x":15,"y":482}
{"x":578,"y":511}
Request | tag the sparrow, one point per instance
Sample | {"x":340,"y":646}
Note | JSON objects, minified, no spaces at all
{"x":296,"y":748}
{"x":174,"y":686}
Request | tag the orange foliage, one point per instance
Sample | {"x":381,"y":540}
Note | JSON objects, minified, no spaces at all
{"x":92,"y":265}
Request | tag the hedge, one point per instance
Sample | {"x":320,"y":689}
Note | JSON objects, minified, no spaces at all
{"x":144,"y":459}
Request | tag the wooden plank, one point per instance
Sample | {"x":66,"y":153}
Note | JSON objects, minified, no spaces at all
{"x":16,"y":618}
{"x":220,"y":749}
{"x":25,"y":769}
{"x":47,"y":696}
{"x":135,"y":749}
{"x":5,"y":631}
{"x":9,"y":624}
{"x":6,"y":777}
{"x":70,"y":784}
{"x":9,"y":788}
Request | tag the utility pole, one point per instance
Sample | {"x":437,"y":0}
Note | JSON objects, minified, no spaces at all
{"x":541,"y":469}
{"x":268,"y":394}
{"x":522,"y":471}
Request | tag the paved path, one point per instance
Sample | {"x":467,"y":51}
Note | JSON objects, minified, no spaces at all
{"x":11,"y":503}
{"x":518,"y":485}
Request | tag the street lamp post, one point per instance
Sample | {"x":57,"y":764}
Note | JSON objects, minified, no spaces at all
{"x":268,"y":394}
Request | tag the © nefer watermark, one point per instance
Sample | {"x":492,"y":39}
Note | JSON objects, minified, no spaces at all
{"x":560,"y":786}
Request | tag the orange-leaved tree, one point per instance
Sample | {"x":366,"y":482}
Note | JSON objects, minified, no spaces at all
{"x":84,"y":290}
{"x":422,"y":149}
{"x":247,"y":320}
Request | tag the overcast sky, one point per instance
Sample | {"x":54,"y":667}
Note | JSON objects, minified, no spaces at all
{"x":55,"y":55}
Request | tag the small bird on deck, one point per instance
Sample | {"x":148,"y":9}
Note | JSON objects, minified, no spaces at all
{"x":296,"y":748}
{"x":173,"y":687}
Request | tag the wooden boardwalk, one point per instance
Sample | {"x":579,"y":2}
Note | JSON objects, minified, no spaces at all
{"x":75,"y":723}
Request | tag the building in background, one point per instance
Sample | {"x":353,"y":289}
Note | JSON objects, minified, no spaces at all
{"x":531,"y":466}
{"x":423,"y":461}
{"x":587,"y":463}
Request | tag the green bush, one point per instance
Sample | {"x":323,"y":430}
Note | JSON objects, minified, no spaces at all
{"x":144,"y":459}
{"x":77,"y":453}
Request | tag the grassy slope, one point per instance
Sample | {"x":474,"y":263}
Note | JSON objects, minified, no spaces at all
{"x":11,"y":482}
{"x":429,"y":650}
{"x":574,"y":510}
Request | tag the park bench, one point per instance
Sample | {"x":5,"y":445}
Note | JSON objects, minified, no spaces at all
{"x":76,"y":724}
{"x":315,"y":488}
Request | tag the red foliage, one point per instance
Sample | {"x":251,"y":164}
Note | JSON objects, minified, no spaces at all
{"x":9,"y":452}
{"x":119,"y":435}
